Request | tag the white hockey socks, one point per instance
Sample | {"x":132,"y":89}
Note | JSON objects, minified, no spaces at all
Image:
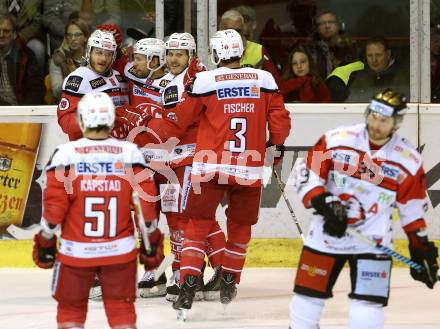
{"x":366,"y":315}
{"x":305,"y":312}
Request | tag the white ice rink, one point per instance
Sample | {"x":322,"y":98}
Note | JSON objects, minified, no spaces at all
{"x":262,"y":302}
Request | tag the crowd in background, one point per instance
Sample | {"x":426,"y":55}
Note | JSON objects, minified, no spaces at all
{"x":313,"y":58}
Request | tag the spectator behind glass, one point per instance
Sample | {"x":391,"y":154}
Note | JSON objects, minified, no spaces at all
{"x":69,"y":56}
{"x":304,"y":83}
{"x":435,"y":62}
{"x":382,"y":71}
{"x":254,"y":55}
{"x":55,"y":16}
{"x":250,"y":21}
{"x":344,"y":57}
{"x":27,"y":16}
{"x":21,"y":82}
{"x":327,"y":28}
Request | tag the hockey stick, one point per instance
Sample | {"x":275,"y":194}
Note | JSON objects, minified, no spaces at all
{"x":292,"y":213}
{"x":141,"y":222}
{"x":386,"y":250}
{"x":168,"y":260}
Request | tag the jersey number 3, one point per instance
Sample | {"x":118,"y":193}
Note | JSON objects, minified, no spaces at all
{"x":239,"y":125}
{"x":96,"y":226}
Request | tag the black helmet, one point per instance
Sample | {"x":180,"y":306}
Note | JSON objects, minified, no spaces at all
{"x":388,"y":103}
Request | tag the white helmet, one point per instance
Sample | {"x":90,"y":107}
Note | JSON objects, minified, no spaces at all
{"x":150,"y":47}
{"x":95,"y":109}
{"x":101,"y":39}
{"x":225,"y":45}
{"x":182,"y":41}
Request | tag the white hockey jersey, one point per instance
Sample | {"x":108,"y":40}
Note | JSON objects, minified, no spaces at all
{"x":371,"y":184}
{"x":80,"y":82}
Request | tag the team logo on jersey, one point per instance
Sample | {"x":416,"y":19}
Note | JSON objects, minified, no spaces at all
{"x":238,"y":92}
{"x":98,"y":82}
{"x":171,"y":95}
{"x":64,"y":104}
{"x":73,"y":82}
{"x":99,"y":168}
{"x":172,"y":116}
{"x":163,"y":83}
{"x":5,"y":163}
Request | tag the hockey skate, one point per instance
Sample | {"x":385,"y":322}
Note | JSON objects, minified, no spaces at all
{"x":228,"y":290}
{"x":211,"y":291}
{"x":174,"y":290}
{"x":148,"y":288}
{"x":95,"y":293}
{"x":186,"y":296}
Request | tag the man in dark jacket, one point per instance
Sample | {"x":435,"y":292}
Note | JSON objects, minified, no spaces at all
{"x":382,"y":71}
{"x":21,"y":82}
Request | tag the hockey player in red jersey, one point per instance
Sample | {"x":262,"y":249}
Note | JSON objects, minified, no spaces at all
{"x":88,"y":194}
{"x":183,"y":64}
{"x":356,"y":176}
{"x":97,"y":76}
{"x":234,"y":105}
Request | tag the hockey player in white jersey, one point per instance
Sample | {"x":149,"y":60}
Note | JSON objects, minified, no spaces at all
{"x":356,"y":176}
{"x":97,"y":76}
{"x":146,"y":78}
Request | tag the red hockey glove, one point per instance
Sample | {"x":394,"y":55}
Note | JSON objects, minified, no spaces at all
{"x":193,"y":67}
{"x":331,"y":208}
{"x":424,"y":253}
{"x":126,"y":119}
{"x":44,"y":251}
{"x":155,"y":257}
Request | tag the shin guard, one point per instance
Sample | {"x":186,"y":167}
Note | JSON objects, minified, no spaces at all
{"x":216,"y":245}
{"x":71,"y":315}
{"x":194,"y":247}
{"x":305,"y":312}
{"x":120,"y":313}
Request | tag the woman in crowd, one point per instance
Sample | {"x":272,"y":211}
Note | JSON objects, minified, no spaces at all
{"x":303,"y":83}
{"x":70,"y":55}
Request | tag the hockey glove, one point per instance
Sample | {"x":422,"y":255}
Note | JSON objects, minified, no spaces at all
{"x":424,"y":253}
{"x":155,"y":257}
{"x":126,"y":119}
{"x":194,"y":67}
{"x":330,"y":207}
{"x":44,"y":251}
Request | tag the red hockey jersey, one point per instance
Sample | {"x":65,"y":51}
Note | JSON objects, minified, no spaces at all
{"x":88,"y":192}
{"x":234,"y":106}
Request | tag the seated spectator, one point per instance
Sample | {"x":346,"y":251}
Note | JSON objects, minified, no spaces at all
{"x":56,"y":14}
{"x":327,"y":29}
{"x":382,"y":71}
{"x":343,"y":54}
{"x":21,"y":81}
{"x":304,"y":83}
{"x":254,"y":55}
{"x":27,"y":16}
{"x":69,"y":56}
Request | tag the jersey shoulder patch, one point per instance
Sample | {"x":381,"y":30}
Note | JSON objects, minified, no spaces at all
{"x":96,"y":83}
{"x":73,"y":83}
